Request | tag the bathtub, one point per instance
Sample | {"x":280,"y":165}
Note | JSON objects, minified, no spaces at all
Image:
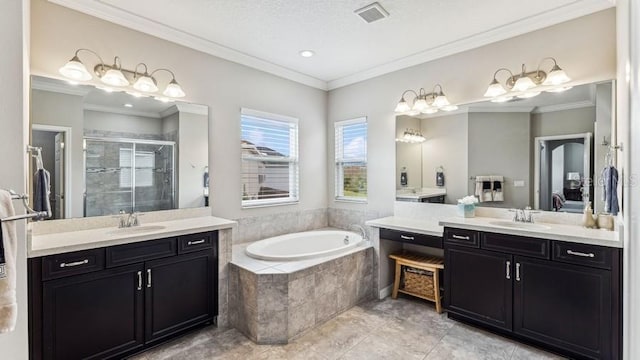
{"x":304,"y":245}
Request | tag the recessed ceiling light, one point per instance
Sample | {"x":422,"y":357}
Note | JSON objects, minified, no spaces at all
{"x":307,"y":53}
{"x":128,"y":105}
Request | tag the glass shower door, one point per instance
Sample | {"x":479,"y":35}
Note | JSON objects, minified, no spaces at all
{"x":154,"y":179}
{"x":108,"y":177}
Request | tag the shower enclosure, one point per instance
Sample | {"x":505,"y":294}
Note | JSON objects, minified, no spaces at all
{"x":128,"y":174}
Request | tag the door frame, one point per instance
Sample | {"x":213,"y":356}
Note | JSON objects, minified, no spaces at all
{"x":586,"y":160}
{"x":67,"y":160}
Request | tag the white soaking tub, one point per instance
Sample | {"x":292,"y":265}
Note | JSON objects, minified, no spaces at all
{"x":304,"y":245}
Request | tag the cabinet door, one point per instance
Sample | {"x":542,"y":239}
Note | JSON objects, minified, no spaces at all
{"x":564,"y":305}
{"x":479,"y":285}
{"x":178,"y":294}
{"x":93,"y":316}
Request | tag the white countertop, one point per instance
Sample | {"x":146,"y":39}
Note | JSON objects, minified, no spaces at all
{"x":562,"y":232}
{"x":426,"y":227}
{"x":58,"y":243}
{"x":420,"y":194}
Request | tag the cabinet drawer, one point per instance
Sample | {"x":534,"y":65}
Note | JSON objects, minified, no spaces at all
{"x":196,"y":242}
{"x":583,"y":254}
{"x":74,"y":263}
{"x":139,"y":252}
{"x":517,"y":245}
{"x":462,"y":237}
{"x":411,"y":238}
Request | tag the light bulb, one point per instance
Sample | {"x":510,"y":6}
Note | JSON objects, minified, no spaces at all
{"x":440,"y":100}
{"x":114,"y":77}
{"x":75,"y":70}
{"x":556,"y":76}
{"x":495,"y":89}
{"x":145,"y":83}
{"x":420,"y":105}
{"x":174,"y":90}
{"x":524,"y":83}
{"x":402,"y":106}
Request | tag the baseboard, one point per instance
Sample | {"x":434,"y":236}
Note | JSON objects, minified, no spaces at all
{"x":385,"y":292}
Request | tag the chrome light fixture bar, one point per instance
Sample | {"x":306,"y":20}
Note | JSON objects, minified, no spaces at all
{"x":525,"y":84}
{"x":412,"y":136}
{"x":425,"y":103}
{"x":115,"y":75}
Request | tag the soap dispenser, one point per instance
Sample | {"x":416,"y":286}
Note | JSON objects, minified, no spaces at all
{"x":588,"y":220}
{"x":403,"y":177}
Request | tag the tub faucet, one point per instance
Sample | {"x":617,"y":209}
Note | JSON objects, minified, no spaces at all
{"x":363,"y":232}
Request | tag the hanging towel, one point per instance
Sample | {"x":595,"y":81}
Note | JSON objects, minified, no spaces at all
{"x":41,"y":191}
{"x":497,"y":183}
{"x":8,"y":248}
{"x":610,"y":194}
{"x":483,"y":188}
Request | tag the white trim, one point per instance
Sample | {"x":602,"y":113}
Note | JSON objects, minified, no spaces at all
{"x":565,"y":106}
{"x":137,"y":22}
{"x":586,"y":160}
{"x":52,"y":85}
{"x":263,"y":115}
{"x":68,"y":148}
{"x":535,"y":22}
{"x":197,"y":109}
{"x":123,"y":111}
{"x":385,"y":292}
{"x":102,"y":10}
{"x":501,"y":109}
{"x":359,"y":120}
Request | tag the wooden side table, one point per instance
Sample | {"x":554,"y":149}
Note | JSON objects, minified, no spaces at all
{"x":423,"y":284}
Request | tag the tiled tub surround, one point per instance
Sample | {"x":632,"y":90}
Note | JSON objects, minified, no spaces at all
{"x":273,"y":302}
{"x":254,"y":228}
{"x":59,"y":236}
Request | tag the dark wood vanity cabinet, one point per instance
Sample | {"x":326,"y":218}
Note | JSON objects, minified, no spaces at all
{"x":110,"y":302}
{"x":558,"y":295}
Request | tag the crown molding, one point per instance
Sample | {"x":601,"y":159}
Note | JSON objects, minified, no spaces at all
{"x":127,"y":19}
{"x":501,"y":109}
{"x":38,"y":83}
{"x":123,"y":111}
{"x":539,"y":21}
{"x":566,"y":106}
{"x":102,"y":10}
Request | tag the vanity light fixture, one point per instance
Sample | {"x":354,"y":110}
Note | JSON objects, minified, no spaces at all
{"x":412,"y":136}
{"x":114,"y":75}
{"x":425,"y":103}
{"x":524,"y":85}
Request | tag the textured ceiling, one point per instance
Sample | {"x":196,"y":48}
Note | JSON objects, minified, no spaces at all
{"x":261,"y":33}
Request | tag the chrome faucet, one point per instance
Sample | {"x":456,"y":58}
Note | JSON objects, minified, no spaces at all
{"x":363,"y":232}
{"x":524,"y":215}
{"x":127,"y":219}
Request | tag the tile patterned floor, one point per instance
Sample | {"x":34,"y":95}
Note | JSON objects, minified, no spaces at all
{"x":388,"y":329}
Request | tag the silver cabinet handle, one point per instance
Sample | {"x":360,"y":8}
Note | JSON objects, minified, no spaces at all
{"x":72,"y":264}
{"x":517,"y":271}
{"x":196,"y":242}
{"x":509,"y":270}
{"x":139,"y":280}
{"x":407,"y":237}
{"x":577,"y":253}
{"x":459,"y":237}
{"x":148,"y":278}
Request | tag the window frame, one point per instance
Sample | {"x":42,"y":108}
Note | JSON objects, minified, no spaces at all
{"x":292,"y":159}
{"x":340,"y":161}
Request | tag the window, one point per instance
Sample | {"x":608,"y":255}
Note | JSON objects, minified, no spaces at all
{"x":144,"y":168}
{"x":351,"y":159}
{"x":269,"y":158}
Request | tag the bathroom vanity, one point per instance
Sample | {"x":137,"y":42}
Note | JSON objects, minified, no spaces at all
{"x":122,"y":290}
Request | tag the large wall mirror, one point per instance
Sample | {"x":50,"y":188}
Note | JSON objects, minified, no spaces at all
{"x":546,"y":152}
{"x":111,"y":151}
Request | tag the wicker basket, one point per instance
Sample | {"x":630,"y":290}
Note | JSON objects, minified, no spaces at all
{"x":418,"y":281}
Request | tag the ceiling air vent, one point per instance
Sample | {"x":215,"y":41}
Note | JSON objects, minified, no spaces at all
{"x":372,"y":12}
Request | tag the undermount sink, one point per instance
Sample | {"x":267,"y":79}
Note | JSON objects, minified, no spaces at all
{"x":136,"y":229}
{"x":520,"y":225}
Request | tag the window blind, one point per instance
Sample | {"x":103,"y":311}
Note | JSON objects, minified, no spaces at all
{"x":269,"y":148}
{"x":351,"y":159}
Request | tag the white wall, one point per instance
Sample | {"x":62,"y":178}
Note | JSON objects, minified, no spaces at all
{"x":222,"y":85}
{"x":447,"y":146}
{"x":499,"y":145}
{"x":584,"y":47}
{"x":193,"y":158}
{"x":563,"y":122}
{"x":14,"y":108}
